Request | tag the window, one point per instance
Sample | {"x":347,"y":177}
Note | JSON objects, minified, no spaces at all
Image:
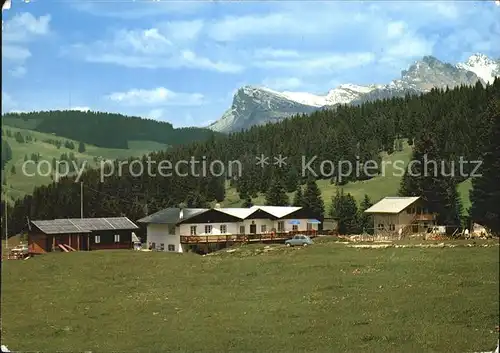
{"x":171,"y":247}
{"x":171,"y":229}
{"x":97,"y":239}
{"x":309,"y":226}
{"x":208,"y":229}
{"x":381,"y":226}
{"x":193,"y":230}
{"x":153,"y":245}
{"x":295,"y":227}
{"x":223,"y":229}
{"x":392,"y":227}
{"x":162,"y":247}
{"x":242,"y":229}
{"x":263,"y":228}
{"x":117,"y":238}
{"x":281,"y":226}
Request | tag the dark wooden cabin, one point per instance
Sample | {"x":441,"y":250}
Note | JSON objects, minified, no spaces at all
{"x":80,"y":234}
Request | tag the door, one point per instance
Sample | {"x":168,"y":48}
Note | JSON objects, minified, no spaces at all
{"x":48,"y":243}
{"x":253,"y":228}
{"x":83,"y":241}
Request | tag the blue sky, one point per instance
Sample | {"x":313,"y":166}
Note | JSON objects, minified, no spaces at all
{"x":181,"y":61}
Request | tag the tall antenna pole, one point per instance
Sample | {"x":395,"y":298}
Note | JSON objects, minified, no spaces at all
{"x":81,"y":199}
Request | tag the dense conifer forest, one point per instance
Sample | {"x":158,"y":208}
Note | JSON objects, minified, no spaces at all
{"x":105,"y":129}
{"x":446,"y":124}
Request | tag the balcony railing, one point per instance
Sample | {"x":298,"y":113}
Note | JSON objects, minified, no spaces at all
{"x":242,"y":238}
{"x":425,"y":217}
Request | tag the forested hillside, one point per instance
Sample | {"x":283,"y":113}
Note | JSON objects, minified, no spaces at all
{"x":6,"y":153}
{"x":29,"y":150}
{"x":105,"y":129}
{"x":460,"y":122}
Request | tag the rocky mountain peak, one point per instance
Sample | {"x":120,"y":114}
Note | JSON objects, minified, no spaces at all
{"x":255,"y":105}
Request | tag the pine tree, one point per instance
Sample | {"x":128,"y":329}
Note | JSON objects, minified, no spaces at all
{"x":345,"y":211}
{"x":13,"y":170}
{"x":312,"y":199}
{"x":81,"y":147}
{"x":276,"y":195}
{"x":336,"y":205}
{"x":298,"y":199}
{"x":438,"y":191}
{"x":365,"y":220}
{"x":195,"y":200}
{"x":247,"y":203}
{"x":292,"y":179}
{"x":19,"y":137}
{"x":485,"y":193}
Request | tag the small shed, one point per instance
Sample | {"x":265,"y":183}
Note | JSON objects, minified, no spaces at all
{"x":330,"y":225}
{"x":80,"y":234}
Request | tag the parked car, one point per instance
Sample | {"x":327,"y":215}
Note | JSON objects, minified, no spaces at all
{"x":299,"y":240}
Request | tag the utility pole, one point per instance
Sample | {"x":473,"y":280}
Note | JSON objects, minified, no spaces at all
{"x":81,"y":199}
{"x":6,"y":228}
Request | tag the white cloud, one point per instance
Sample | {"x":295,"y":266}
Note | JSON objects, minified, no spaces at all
{"x":23,"y":27}
{"x":160,"y":96}
{"x":153,"y":48}
{"x":17,"y":34}
{"x":234,"y":27}
{"x":298,"y":19}
{"x":283,"y":83}
{"x":8,"y":102}
{"x":276,"y":53}
{"x":395,"y":29}
{"x":320,"y":63}
{"x":182,"y":30}
{"x":404,"y":43}
{"x":15,"y":53}
{"x":315,"y":39}
{"x":81,"y":109}
{"x":155,"y":114}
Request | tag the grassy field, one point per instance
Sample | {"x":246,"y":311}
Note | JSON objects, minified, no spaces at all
{"x":19,"y":184}
{"x":376,"y":188}
{"x":324,"y":298}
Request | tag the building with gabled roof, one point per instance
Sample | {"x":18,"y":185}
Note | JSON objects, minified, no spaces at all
{"x":80,"y":234}
{"x":180,"y":229}
{"x":401,"y":216}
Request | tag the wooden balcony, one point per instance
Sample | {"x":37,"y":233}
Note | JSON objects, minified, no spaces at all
{"x":243,"y":238}
{"x":425,"y":217}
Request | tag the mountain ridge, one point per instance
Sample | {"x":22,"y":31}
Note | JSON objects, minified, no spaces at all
{"x":258,"y":105}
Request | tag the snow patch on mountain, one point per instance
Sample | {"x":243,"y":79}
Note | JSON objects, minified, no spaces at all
{"x":253,"y":105}
{"x":484,"y":67}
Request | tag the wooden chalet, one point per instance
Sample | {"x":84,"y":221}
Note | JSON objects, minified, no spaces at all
{"x":205,"y":230}
{"x":80,"y":234}
{"x":401,"y":216}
